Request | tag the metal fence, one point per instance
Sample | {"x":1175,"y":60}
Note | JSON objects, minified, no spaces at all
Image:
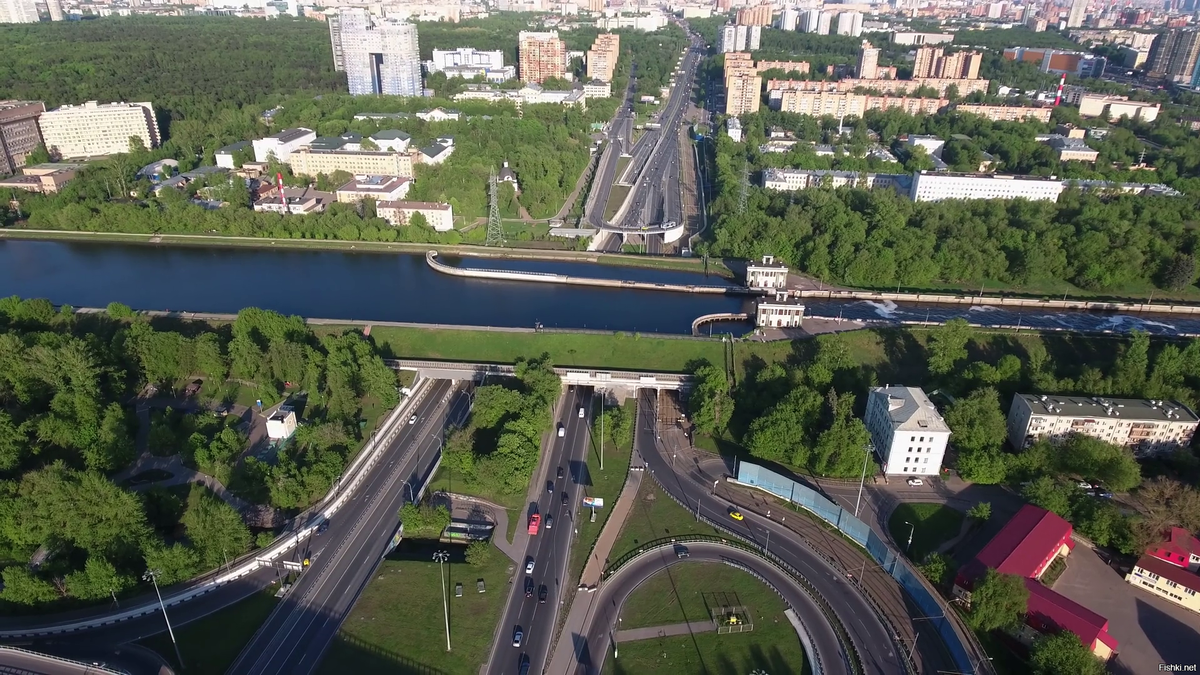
{"x":855,"y":529}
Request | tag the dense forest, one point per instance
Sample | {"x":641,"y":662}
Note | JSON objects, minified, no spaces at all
{"x":1089,"y":241}
{"x":806,"y":415}
{"x":68,"y":388}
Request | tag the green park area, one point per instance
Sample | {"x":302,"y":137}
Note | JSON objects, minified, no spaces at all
{"x":210,"y":645}
{"x":397,"y":624}
{"x":931,"y":526}
{"x":690,"y":592}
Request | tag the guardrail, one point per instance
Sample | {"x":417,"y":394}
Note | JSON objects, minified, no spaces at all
{"x":87,"y":667}
{"x":255,"y":560}
{"x":854,"y":659}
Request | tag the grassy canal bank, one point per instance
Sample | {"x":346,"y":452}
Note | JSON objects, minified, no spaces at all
{"x":714,"y":267}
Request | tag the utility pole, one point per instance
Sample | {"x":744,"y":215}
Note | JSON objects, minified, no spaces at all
{"x":602,"y":429}
{"x":151,"y":575}
{"x":441,"y":557}
{"x":495,"y":231}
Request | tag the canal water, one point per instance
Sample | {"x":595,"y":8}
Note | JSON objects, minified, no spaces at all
{"x":401,"y":287}
{"x":344,"y":285}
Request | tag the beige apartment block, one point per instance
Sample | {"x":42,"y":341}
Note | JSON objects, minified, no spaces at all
{"x":602,"y":57}
{"x":309,"y":162}
{"x":1147,"y":426}
{"x":95,"y":129}
{"x":838,"y":104}
{"x":1007,"y":113}
{"x":541,"y":55}
{"x":439,"y":216}
{"x":742,"y":94}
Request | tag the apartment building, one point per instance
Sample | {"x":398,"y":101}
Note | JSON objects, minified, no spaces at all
{"x":379,"y":188}
{"x":868,"y":62}
{"x":889,"y":87}
{"x":839,"y":104}
{"x":1007,"y":113}
{"x":908,"y":433}
{"x":1167,"y":581}
{"x":296,"y":201}
{"x":439,"y":216}
{"x":788,"y":180}
{"x":541,"y":55}
{"x":933,"y":187}
{"x":95,"y":129}
{"x":907,"y":38}
{"x":742,"y":94}
{"x":1072,"y":149}
{"x":602,"y":57}
{"x":1174,"y":56}
{"x":850,"y":23}
{"x":1148,"y":427}
{"x":735,"y":38}
{"x":310,"y":162}
{"x":18,"y":11}
{"x":380,"y":56}
{"x":934,"y":62}
{"x":280,"y":146}
{"x":42,"y":178}
{"x":802,"y":67}
{"x":469,"y":63}
{"x":759,"y":15}
{"x":19,"y":134}
{"x":1114,"y":108}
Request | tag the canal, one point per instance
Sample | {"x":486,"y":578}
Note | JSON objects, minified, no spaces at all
{"x":401,"y":287}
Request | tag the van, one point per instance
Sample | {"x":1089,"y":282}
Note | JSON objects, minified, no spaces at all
{"x":562,"y":431}
{"x":580,"y":413}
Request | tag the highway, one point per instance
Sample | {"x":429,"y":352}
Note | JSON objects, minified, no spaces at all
{"x":550,"y":548}
{"x":686,"y":484}
{"x":617,"y":589}
{"x":297,"y":633}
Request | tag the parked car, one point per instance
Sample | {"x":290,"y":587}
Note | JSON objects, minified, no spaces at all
{"x":916,"y":482}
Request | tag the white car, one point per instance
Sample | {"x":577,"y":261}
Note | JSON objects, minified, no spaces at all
{"x":529,"y":567}
{"x":915,"y":482}
{"x":581,"y":413}
{"x":517,"y":635}
{"x":562,"y":431}
{"x":412,"y":420}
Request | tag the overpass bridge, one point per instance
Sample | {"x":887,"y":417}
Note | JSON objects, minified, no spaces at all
{"x":588,"y":377}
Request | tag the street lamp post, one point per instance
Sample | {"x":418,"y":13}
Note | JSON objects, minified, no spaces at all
{"x":441,"y":557}
{"x":601,"y":429}
{"x":911,"y":529}
{"x":861,"y":481}
{"x":151,"y":575}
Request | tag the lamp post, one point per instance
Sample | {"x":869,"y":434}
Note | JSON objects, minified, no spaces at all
{"x":441,"y":557}
{"x":151,"y":575}
{"x":911,"y":529}
{"x":863,"y":479}
{"x":601,"y":428}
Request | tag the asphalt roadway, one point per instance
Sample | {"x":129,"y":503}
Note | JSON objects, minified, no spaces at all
{"x":296,"y":635}
{"x":550,"y":548}
{"x":870,"y":636}
{"x":617,"y":589}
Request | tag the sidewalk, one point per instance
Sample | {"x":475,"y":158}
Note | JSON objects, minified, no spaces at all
{"x":669,"y":630}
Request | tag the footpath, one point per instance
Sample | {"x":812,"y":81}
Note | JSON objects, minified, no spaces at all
{"x":669,"y":630}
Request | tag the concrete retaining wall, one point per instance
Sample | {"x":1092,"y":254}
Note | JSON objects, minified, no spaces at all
{"x":995,"y":301}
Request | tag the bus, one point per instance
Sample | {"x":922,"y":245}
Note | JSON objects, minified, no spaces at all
{"x":535,"y":521}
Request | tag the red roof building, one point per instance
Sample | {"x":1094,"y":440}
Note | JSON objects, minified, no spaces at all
{"x":1180,"y":549}
{"x":1025,"y":547}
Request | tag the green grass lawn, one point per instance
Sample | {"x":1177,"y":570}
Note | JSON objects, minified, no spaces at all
{"x":654,"y":516}
{"x":397,"y":627}
{"x":616,"y":199}
{"x":446,"y":481}
{"x":607,"y":484}
{"x":687,"y":592}
{"x":634,"y":352}
{"x":932,"y":525}
{"x":210,"y":645}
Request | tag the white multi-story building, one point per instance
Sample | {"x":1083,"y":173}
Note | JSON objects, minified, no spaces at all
{"x":737,"y":38}
{"x":282,"y":145}
{"x":788,"y":18}
{"x":439,"y":216}
{"x":850,"y":23}
{"x":734,"y":128}
{"x":94,"y":129}
{"x":908,"y":433}
{"x":809,"y":20}
{"x":904,"y":38}
{"x":380,"y":56}
{"x":1147,"y":426}
{"x":766,"y":275}
{"x":933,"y":187}
{"x":379,"y":188}
{"x":468,"y":63}
{"x":309,"y":162}
{"x":281,"y":424}
{"x":779,"y":311}
{"x":19,"y":11}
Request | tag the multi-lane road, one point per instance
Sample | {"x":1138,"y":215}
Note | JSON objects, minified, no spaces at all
{"x":558,"y":501}
{"x":296,"y":635}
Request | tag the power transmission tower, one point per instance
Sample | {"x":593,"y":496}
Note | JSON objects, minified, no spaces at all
{"x":495,"y":234}
{"x":744,"y":195}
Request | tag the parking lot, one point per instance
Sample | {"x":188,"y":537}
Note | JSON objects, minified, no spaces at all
{"x":1150,"y":630}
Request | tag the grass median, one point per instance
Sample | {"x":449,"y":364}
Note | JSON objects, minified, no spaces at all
{"x":605,"y":483}
{"x":209,"y":645}
{"x":691,"y":592}
{"x":397,"y":624}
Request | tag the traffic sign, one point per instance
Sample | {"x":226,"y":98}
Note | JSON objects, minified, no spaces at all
{"x":593,"y":502}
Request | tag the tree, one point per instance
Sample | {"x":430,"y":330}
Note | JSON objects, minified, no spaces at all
{"x":986,"y":467}
{"x":948,"y":345}
{"x":1180,"y":273}
{"x":710,"y":402}
{"x":936,"y":568}
{"x":998,"y":601}
{"x":214,"y":528}
{"x":98,"y":579}
{"x":173,"y":563}
{"x":977,"y":422}
{"x":117,"y":310}
{"x":980,"y":511}
{"x":840,"y":448}
{"x":1049,"y":494}
{"x":1129,"y":373}
{"x":22,"y":587}
{"x":479,"y":553}
{"x":424,"y":521}
{"x":1062,"y":652}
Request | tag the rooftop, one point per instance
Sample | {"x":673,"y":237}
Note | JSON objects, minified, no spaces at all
{"x":1097,"y":406}
{"x":390,"y":135}
{"x":424,"y":206}
{"x":289,"y":135}
{"x":233,"y":147}
{"x":1051,"y":610}
{"x":910,"y":409}
{"x":1023,"y":544}
{"x":381,"y":184}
